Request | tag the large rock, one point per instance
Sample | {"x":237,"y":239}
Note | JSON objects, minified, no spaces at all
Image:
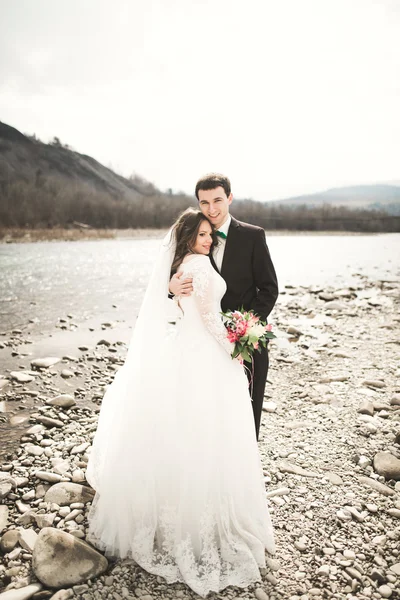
{"x":66,"y":493}
{"x":22,"y":593}
{"x":387,"y":465}
{"x":60,"y":559}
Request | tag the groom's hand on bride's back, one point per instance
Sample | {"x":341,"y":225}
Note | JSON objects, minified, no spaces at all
{"x":179,"y":286}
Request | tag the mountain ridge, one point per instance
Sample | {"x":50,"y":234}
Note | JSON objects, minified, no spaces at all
{"x":29,"y":159}
{"x":378,"y":195}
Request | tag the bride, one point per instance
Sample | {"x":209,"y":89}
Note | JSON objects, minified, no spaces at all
{"x":174,"y":461}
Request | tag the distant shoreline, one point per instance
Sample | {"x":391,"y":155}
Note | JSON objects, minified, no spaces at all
{"x":17,"y":235}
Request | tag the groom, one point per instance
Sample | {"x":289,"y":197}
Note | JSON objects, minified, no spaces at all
{"x":243,"y":260}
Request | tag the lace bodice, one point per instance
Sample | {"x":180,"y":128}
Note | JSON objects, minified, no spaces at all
{"x":202,"y":309}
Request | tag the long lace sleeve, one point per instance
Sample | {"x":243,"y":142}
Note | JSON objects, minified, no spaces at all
{"x":201,"y":270}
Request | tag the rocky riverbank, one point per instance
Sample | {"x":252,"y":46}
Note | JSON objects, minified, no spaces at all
{"x":24,"y":235}
{"x":330,"y":446}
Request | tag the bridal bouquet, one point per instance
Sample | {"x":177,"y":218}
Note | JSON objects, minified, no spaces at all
{"x":247,"y":332}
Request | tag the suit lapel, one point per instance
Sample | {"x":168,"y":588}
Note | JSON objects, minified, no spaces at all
{"x":212,"y":261}
{"x":230,"y":247}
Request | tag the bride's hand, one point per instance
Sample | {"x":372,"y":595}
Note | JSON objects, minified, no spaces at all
{"x":179,"y":287}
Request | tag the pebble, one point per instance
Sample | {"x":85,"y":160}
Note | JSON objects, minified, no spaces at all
{"x":44,"y":363}
{"x":300,"y":545}
{"x":395,"y":568}
{"x":387,"y":465}
{"x":269,"y":406}
{"x":63,"y":401}
{"x":66,"y":373}
{"x":278,"y":492}
{"x":335,"y":479}
{"x":334,"y":305}
{"x":375,"y":383}
{"x":9,"y":540}
{"x":47,"y":476}
{"x":366,"y":408}
{"x":22,"y":593}
{"x":49,"y":422}
{"x":3,"y":517}
{"x":377,"y":486}
{"x":27,"y":538}
{"x":287,"y":467}
{"x":260,"y":594}
{"x":5,"y":489}
{"x":80,"y":448}
{"x":21,"y":376}
{"x":385,"y":591}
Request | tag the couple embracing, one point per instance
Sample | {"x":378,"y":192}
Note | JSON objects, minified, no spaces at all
{"x":174,"y":461}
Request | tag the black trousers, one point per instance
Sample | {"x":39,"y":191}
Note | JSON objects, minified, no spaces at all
{"x":257,"y":386}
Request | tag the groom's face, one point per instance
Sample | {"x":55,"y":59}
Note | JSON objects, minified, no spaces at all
{"x":214,"y":204}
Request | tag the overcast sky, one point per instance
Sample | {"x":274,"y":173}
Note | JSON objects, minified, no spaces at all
{"x":284,"y":96}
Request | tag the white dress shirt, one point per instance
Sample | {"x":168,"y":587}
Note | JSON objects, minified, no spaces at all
{"x":218,"y":251}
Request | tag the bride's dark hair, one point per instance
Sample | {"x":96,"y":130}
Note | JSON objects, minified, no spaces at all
{"x":184,"y":232}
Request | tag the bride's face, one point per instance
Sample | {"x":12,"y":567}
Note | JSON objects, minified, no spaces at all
{"x":203,"y":239}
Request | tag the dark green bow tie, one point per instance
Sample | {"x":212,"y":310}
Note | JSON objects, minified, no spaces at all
{"x":221,"y":234}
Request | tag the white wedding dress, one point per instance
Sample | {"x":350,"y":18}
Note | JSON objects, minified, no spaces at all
{"x":177,"y":471}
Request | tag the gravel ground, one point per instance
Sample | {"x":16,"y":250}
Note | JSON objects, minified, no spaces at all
{"x":330,"y":446}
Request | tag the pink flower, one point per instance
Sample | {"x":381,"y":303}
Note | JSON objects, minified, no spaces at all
{"x":256,"y":345}
{"x":241,"y":328}
{"x":268,"y":327}
{"x":233,"y":336}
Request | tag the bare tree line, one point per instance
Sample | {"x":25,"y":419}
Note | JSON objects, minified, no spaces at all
{"x":53,"y":203}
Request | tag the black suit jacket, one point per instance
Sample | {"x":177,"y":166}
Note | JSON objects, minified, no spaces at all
{"x":248,"y":270}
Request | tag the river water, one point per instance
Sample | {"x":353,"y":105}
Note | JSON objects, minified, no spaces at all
{"x":45,"y":281}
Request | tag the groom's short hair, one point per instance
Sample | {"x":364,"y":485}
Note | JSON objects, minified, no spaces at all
{"x":212,"y":181}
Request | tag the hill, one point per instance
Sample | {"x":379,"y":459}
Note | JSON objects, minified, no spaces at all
{"x":52,"y":185}
{"x":377,"y":196}
{"x":24,"y":158}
